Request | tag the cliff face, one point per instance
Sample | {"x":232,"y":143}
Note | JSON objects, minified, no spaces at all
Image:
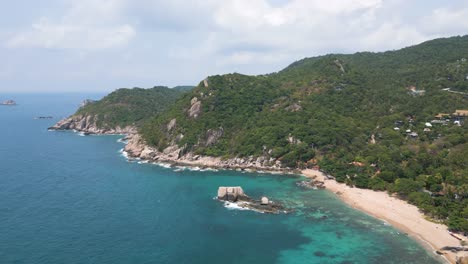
{"x":87,"y":124}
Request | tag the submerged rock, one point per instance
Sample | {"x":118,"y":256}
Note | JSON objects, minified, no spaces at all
{"x":311,"y":184}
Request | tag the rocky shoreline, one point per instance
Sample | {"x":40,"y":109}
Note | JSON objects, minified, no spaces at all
{"x":136,"y":148}
{"x":87,"y":124}
{"x":175,"y":155}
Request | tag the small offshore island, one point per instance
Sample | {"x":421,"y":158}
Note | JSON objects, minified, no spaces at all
{"x":8,"y":102}
{"x":379,"y":130}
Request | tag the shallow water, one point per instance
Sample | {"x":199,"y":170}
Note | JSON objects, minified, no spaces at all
{"x":71,"y":199}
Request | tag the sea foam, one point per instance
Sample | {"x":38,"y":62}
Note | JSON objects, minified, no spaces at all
{"x":234,"y":206}
{"x":123,"y":153}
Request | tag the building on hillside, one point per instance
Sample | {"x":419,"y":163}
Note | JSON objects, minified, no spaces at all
{"x":412,"y":90}
{"x":439,"y":122}
{"x":460,"y":116}
{"x":442,"y":116}
{"x":461,"y":113}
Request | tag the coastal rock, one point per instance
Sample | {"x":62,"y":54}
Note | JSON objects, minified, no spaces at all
{"x":462,"y":260}
{"x":171,"y":124}
{"x":172,"y":152}
{"x":231,"y":194}
{"x":147,"y":153}
{"x":87,"y":124}
{"x":237,"y":195}
{"x":86,"y":102}
{"x":195,"y":108}
{"x":212,"y":136}
{"x":135,"y":146}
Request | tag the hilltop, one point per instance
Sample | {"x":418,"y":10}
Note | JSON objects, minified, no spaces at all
{"x":122,"y":110}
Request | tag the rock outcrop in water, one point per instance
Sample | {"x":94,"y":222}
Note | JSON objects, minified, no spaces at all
{"x":8,"y":102}
{"x":232,"y":194}
{"x":237,"y":195}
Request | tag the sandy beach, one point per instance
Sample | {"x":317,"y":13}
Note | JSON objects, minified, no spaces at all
{"x":398,"y":213}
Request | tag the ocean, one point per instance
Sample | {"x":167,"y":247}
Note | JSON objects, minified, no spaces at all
{"x":66,"y":198}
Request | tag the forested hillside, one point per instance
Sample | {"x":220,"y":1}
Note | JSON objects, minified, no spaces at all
{"x":369,"y":119}
{"x":131,"y":106}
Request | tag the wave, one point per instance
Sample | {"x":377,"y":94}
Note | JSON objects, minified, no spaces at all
{"x":123,"y":153}
{"x":235,"y":206}
{"x":209,"y":169}
{"x":164,"y":165}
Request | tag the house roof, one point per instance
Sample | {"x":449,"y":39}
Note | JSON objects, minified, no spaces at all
{"x":461,"y":112}
{"x":441,"y":115}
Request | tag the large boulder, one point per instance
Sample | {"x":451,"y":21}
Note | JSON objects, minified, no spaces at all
{"x":264,"y":201}
{"x":231,"y":194}
{"x":195,"y":108}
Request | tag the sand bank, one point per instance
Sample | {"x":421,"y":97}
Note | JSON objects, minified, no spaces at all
{"x":398,"y":213}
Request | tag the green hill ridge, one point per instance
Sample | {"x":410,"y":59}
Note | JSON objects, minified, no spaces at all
{"x":384,"y":121}
{"x":125,"y":107}
{"x":347,"y":114}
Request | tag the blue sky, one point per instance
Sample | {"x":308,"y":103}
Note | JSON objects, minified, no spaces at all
{"x":88,"y":45}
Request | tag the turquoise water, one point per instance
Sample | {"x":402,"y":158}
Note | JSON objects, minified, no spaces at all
{"x":71,"y":199}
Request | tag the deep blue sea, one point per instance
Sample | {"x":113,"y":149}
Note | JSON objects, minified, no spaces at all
{"x":66,"y":198}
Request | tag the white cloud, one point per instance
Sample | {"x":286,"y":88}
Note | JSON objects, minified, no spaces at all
{"x":445,"y":20}
{"x":46,"y":34}
{"x":393,"y":35}
{"x":179,"y":41}
{"x":87,"y":25}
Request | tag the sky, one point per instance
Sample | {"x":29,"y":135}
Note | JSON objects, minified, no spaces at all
{"x":99,"y":46}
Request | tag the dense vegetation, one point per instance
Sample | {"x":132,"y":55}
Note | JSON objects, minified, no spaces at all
{"x":131,"y":106}
{"x":341,"y":112}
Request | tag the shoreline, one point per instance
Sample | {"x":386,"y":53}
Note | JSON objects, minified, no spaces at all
{"x":398,"y":213}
